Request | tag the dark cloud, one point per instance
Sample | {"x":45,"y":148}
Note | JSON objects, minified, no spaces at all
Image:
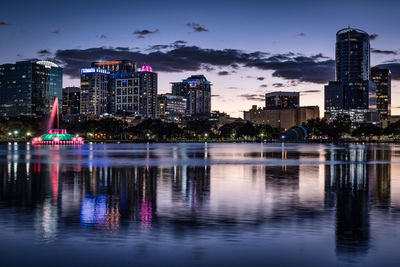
{"x":302,"y":34}
{"x":373,"y":36}
{"x":2,"y":23}
{"x":253,"y":97}
{"x":232,"y":88}
{"x":290,"y":66}
{"x":394,"y":68}
{"x":56,"y":32}
{"x":223,"y":73}
{"x":122,"y":48}
{"x":157,"y":47}
{"x":384,"y":52}
{"x":180,"y":42}
{"x":101,"y":36}
{"x":143,"y":33}
{"x":278,"y":85}
{"x":215,"y":95}
{"x":264,"y":85}
{"x":44,"y":52}
{"x":197,"y":27}
{"x":234,"y":66}
{"x":20,"y":55}
{"x":260,"y":78}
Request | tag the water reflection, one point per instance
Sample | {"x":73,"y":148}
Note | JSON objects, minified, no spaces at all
{"x":336,"y":195}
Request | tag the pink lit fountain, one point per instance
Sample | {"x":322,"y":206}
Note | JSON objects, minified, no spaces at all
{"x":56,"y":136}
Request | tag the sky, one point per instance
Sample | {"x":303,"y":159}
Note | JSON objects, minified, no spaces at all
{"x":245,"y":48}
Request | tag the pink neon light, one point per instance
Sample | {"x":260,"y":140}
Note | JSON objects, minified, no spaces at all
{"x":146,"y":67}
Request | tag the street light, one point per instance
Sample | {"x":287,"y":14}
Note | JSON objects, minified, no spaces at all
{"x":15,"y":132}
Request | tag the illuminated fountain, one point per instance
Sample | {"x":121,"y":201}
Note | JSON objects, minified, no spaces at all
{"x":56,"y":136}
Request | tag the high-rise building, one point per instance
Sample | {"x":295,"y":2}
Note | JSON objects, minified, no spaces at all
{"x":282,"y":100}
{"x":197,"y":90}
{"x":382,"y":78}
{"x":136,"y":93}
{"x":171,"y":107}
{"x":147,"y":91}
{"x":71,"y":100}
{"x":94,"y":85}
{"x":352,"y":93}
{"x":116,"y":69}
{"x":116,"y":66}
{"x":29,"y":87}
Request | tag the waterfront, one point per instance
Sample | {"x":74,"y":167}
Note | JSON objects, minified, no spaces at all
{"x":199,"y":204}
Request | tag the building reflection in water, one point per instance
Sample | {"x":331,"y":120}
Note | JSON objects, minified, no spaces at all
{"x":352,"y":187}
{"x":110,"y":198}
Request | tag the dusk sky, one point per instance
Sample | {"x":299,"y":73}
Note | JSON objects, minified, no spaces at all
{"x":245,"y":48}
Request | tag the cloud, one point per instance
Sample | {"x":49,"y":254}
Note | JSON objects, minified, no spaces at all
{"x":394,"y":68}
{"x":302,"y":34}
{"x":180,"y":42}
{"x":264,"y":85}
{"x":143,"y":33}
{"x":44,"y":52}
{"x":373,"y":36}
{"x":197,"y":27}
{"x":215,"y":95}
{"x":253,"y":97}
{"x":122,"y":48}
{"x":232,"y":88}
{"x":278,"y":85}
{"x":56,"y":32}
{"x":2,"y":23}
{"x":101,"y":36}
{"x":384,"y":52}
{"x":223,"y":73}
{"x":260,"y":78}
{"x":289,"y":66}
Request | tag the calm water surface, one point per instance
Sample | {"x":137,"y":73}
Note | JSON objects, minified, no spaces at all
{"x":200,"y":204}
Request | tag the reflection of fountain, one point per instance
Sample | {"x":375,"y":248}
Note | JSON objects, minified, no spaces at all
{"x":56,"y":136}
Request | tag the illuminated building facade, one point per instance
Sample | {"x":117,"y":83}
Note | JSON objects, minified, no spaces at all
{"x":282,"y":100}
{"x":71,"y":100}
{"x":171,"y":107}
{"x":281,"y":118}
{"x":382,"y":78}
{"x":353,"y":92}
{"x":197,"y":90}
{"x":94,"y":85}
{"x":116,"y":68}
{"x":130,"y":92}
{"x":28,"y":88}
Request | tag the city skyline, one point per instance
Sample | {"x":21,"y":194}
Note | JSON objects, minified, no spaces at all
{"x":246,"y":50}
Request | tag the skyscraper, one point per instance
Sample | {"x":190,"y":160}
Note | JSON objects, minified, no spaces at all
{"x":382,"y":78}
{"x":136,"y":92}
{"x":197,"y":90}
{"x":29,"y":87}
{"x":71,"y":100}
{"x":352,"y":93}
{"x":94,"y":85}
{"x":116,"y":69}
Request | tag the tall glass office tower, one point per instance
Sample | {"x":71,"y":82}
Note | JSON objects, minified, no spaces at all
{"x":28,"y":88}
{"x":352,"y":93}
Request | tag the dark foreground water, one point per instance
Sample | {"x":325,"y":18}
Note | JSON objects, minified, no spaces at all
{"x":200,"y":204}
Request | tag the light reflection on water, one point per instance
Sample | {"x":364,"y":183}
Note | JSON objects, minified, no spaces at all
{"x":199,"y":204}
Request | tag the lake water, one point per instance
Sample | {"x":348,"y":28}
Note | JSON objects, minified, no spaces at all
{"x":200,"y":204}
